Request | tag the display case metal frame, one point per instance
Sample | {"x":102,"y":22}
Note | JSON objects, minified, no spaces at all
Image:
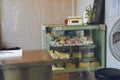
{"x":99,"y":36}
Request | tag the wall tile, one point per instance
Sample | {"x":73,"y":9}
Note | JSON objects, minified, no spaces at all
{"x":21,"y":20}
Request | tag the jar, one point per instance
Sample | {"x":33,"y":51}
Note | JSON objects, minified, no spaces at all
{"x":88,"y":54}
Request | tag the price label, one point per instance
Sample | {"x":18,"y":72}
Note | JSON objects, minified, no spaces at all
{"x":58,"y":28}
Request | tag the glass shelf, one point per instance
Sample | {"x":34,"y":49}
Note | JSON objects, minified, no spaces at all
{"x":55,"y":71}
{"x":74,"y":45}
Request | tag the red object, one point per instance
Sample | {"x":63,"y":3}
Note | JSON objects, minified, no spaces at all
{"x":66,"y":21}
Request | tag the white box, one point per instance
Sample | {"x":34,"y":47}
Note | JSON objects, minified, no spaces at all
{"x":5,"y":54}
{"x":75,"y":20}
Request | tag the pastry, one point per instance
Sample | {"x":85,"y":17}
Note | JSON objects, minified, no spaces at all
{"x":95,"y":64}
{"x":70,"y":65}
{"x":84,"y":64}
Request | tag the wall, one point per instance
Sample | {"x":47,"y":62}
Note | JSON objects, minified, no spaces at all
{"x":82,"y":5}
{"x":0,"y":29}
{"x":21,"y":20}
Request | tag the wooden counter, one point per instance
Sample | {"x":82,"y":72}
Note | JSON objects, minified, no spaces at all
{"x":30,"y":56}
{"x":33,"y":65}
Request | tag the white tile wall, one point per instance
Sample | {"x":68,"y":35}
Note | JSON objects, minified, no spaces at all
{"x":82,"y":4}
{"x":21,"y":20}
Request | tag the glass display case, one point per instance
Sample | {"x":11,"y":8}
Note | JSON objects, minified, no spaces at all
{"x":75,"y":48}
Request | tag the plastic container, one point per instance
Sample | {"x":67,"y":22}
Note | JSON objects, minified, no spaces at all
{"x":107,"y":74}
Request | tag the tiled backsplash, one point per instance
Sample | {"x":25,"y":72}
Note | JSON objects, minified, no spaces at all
{"x":21,"y":20}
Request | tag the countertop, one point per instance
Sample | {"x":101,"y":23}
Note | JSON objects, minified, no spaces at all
{"x":29,"y":56}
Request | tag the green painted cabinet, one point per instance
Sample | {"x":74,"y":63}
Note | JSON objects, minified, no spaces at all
{"x":75,"y":48}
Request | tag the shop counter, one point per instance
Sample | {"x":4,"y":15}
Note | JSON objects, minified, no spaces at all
{"x":33,"y":65}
